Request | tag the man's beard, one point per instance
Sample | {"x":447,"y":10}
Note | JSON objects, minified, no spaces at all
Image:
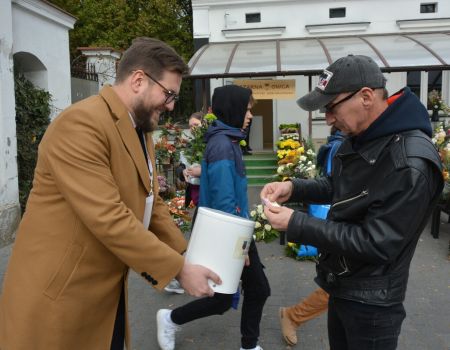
{"x":143,"y":117}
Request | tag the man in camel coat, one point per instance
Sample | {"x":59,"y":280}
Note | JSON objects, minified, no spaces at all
{"x":84,"y":225}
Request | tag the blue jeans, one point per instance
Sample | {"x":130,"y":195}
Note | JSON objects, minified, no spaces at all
{"x":356,"y":326}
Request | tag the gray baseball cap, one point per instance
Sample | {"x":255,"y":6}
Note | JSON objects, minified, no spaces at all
{"x":347,"y":74}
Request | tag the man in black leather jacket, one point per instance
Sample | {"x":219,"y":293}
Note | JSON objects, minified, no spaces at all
{"x":385,"y":180}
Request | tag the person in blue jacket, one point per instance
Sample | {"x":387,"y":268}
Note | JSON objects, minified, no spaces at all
{"x":224,"y":187}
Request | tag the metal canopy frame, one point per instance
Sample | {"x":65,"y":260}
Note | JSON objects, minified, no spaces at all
{"x":399,"y":52}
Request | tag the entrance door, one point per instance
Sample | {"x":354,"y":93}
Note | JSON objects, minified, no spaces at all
{"x":263,"y":108}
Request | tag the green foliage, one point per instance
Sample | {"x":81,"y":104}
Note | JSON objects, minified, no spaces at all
{"x":32,"y":119}
{"x":291,"y":251}
{"x":263,"y":230}
{"x":289,"y":128}
{"x":196,"y":145}
{"x":115,"y":23}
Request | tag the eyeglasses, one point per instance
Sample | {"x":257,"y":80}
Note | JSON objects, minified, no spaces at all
{"x":329,"y":108}
{"x":170,"y":95}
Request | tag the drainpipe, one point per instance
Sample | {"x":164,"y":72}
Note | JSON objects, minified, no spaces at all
{"x":310,"y":113}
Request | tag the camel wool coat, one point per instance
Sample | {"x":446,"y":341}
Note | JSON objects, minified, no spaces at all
{"x":82,"y":230}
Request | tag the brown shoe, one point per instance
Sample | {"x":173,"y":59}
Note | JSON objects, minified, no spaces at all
{"x":288,"y":328}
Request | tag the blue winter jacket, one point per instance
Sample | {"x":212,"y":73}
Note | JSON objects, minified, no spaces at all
{"x":223,"y":180}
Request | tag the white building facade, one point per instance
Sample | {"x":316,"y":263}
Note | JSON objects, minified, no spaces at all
{"x":34,"y":40}
{"x":382,"y":29}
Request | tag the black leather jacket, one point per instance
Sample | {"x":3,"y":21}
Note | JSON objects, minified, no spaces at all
{"x":382,"y":196}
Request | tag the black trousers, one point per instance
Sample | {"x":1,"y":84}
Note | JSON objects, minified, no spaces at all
{"x":118,"y":338}
{"x":256,"y":290}
{"x":355,"y":326}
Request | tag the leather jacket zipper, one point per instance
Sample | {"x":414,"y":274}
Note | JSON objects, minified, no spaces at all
{"x":362,"y":194}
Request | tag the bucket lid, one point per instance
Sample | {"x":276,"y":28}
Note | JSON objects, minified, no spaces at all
{"x":221,"y":215}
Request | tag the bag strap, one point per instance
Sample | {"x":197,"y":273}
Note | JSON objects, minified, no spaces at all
{"x":331,"y":154}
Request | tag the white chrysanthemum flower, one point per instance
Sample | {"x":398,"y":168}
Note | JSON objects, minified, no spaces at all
{"x":302,"y":158}
{"x":263,"y":216}
{"x":257,"y":224}
{"x":259,"y":209}
{"x":267,"y":227}
{"x":253,"y":213}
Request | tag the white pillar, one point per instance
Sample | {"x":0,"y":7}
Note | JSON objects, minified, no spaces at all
{"x":446,"y":86}
{"x":9,"y":188}
{"x":104,"y":60}
{"x":424,"y":88}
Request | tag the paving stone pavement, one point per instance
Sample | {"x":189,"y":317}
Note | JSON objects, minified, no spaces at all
{"x":427,"y":324}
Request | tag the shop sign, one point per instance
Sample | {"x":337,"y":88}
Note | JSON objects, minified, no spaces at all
{"x":269,"y":89}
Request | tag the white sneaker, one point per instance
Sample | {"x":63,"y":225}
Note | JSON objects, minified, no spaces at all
{"x":256,"y":348}
{"x":166,"y":329}
{"x":174,"y":287}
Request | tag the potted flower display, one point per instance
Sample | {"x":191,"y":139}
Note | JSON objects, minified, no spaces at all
{"x":171,"y":131}
{"x":263,"y":230}
{"x":165,"y":152}
{"x":441,"y":139}
{"x":196,"y":145}
{"x":180,"y":215}
{"x":436,"y":104}
{"x":295,"y":159}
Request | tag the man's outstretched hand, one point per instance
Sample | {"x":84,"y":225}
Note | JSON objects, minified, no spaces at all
{"x":278,"y":192}
{"x":194,"y":280}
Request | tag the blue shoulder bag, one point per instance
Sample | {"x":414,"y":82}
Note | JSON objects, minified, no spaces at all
{"x":318,"y":210}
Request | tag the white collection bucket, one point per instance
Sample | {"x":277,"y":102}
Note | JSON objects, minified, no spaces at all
{"x":220,"y":242}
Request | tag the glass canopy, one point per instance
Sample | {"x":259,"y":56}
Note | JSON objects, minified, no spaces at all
{"x":393,"y":52}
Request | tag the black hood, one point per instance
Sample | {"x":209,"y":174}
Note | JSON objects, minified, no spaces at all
{"x":405,"y":113}
{"x":229,"y":104}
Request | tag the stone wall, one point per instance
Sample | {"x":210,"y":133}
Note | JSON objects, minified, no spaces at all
{"x":9,"y":220}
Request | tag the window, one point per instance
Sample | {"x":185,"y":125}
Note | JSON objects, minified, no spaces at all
{"x":428,"y":7}
{"x":337,"y":12}
{"x":252,"y":17}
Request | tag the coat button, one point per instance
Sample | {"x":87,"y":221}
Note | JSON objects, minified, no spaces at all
{"x":372,"y":161}
{"x":154,"y":282}
{"x":144,"y":274}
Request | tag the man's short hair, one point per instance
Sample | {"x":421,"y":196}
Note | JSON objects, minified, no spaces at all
{"x":151,"y":55}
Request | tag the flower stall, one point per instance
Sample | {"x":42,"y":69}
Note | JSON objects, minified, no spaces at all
{"x":169,"y":144}
{"x":441,"y":139}
{"x":180,"y":215}
{"x":263,"y":230}
{"x":296,"y":159}
{"x":437,"y":105}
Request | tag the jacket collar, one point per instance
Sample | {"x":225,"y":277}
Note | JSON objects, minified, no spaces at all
{"x":370,"y":152}
{"x":128,"y":133}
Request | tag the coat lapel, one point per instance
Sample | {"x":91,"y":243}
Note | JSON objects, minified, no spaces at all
{"x":127,"y":133}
